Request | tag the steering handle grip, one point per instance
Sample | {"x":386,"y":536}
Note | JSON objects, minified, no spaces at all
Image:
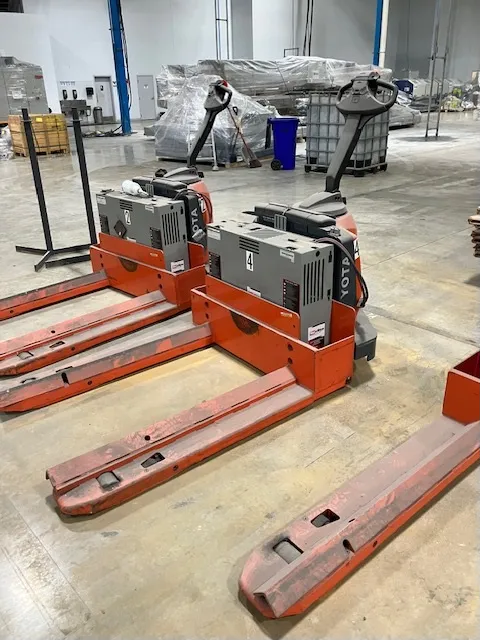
{"x":221,"y":88}
{"x":362,"y":100}
{"x":392,"y":88}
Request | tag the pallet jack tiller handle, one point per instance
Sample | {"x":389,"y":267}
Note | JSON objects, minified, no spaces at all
{"x":358,"y":102}
{"x":218,"y":99}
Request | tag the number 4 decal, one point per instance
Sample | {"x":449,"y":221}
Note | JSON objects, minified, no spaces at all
{"x":249,"y":261}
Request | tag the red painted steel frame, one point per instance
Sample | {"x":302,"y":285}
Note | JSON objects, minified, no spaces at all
{"x":33,"y":393}
{"x":296,"y":375}
{"x":44,"y":296}
{"x":119,"y":274}
{"x":159,"y":295}
{"x":309,"y":557}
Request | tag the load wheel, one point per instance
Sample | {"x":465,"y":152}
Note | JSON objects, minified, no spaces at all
{"x":276,"y":164}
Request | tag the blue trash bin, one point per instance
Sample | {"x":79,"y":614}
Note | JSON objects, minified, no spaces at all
{"x":284,"y":132}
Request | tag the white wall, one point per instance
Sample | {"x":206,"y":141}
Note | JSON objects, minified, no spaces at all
{"x":241,"y":28}
{"x":26,"y":38}
{"x":464,"y":54}
{"x":273,"y":27}
{"x":158,"y":32}
{"x":166,"y":32}
{"x":342,"y":29}
{"x":80,"y":38}
{"x":410,"y":34}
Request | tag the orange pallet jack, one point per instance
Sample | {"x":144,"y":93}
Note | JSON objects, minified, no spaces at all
{"x":260,"y":333}
{"x":129,"y":267}
{"x":264,"y":334}
{"x":311,"y":555}
{"x":26,"y":387}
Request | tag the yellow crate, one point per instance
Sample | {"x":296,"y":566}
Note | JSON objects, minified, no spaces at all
{"x":49,"y":133}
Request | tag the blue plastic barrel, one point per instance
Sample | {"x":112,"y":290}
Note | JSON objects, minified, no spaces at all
{"x":284,"y":131}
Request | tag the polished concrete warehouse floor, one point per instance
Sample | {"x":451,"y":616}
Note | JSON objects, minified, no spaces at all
{"x":166,"y":564}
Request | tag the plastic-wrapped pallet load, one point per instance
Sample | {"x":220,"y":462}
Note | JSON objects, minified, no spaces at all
{"x":286,"y":75}
{"x":324,"y":128}
{"x":402,"y":114}
{"x":177,"y":128}
{"x":170,"y":80}
{"x":6,"y":151}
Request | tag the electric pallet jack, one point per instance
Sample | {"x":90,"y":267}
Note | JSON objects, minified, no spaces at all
{"x":151,"y":246}
{"x":273,"y":298}
{"x":310,"y":556}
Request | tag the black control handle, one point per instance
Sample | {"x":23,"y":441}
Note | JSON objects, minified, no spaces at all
{"x":362,"y":98}
{"x":218,"y":99}
{"x":358,"y":101}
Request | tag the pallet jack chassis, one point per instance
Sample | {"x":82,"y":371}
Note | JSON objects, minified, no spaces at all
{"x":260,"y":333}
{"x":311,"y":555}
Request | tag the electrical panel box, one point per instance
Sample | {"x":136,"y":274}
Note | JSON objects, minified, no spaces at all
{"x":286,"y":269}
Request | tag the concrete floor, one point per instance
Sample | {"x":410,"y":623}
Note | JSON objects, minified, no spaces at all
{"x":166,"y":564}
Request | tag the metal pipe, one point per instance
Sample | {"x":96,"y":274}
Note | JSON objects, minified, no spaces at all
{"x":377,"y":32}
{"x":37,"y":179}
{"x":384,"y":23}
{"x":117,"y":32}
{"x":84,"y":175}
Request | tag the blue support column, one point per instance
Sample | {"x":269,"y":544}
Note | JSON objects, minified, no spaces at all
{"x":377,"y":32}
{"x":119,"y":61}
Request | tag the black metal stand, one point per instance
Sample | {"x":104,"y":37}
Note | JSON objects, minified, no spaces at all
{"x":49,"y":252}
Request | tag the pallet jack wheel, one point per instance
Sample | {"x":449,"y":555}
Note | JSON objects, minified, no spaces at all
{"x":276,"y":165}
{"x":307,"y":168}
{"x":160,"y":173}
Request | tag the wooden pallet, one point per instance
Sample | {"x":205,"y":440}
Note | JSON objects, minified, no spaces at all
{"x":43,"y":152}
{"x":49,"y":133}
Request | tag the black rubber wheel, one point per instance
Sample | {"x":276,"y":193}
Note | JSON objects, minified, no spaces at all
{"x":276,"y":165}
{"x":383,"y":167}
{"x":160,"y":173}
{"x":358,"y":174}
{"x":307,"y":168}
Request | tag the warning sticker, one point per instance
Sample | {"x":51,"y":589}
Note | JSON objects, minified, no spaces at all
{"x":177,"y":266}
{"x":356,"y":249}
{"x":254,"y":291}
{"x":286,"y":254}
{"x":213,"y":233}
{"x":316,"y":334}
{"x":101,"y":200}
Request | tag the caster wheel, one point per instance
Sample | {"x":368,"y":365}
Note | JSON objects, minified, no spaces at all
{"x":307,"y":168}
{"x":276,"y":165}
{"x":160,"y":173}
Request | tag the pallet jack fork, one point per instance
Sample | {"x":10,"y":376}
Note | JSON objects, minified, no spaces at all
{"x":256,"y":331}
{"x":311,"y":555}
{"x":128,"y":267}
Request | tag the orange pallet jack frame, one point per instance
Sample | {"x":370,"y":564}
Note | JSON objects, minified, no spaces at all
{"x":311,"y":555}
{"x":264,"y":335}
{"x":125,"y":266}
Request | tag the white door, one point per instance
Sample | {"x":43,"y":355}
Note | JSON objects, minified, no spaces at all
{"x":103,"y":93}
{"x":145,"y":86}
